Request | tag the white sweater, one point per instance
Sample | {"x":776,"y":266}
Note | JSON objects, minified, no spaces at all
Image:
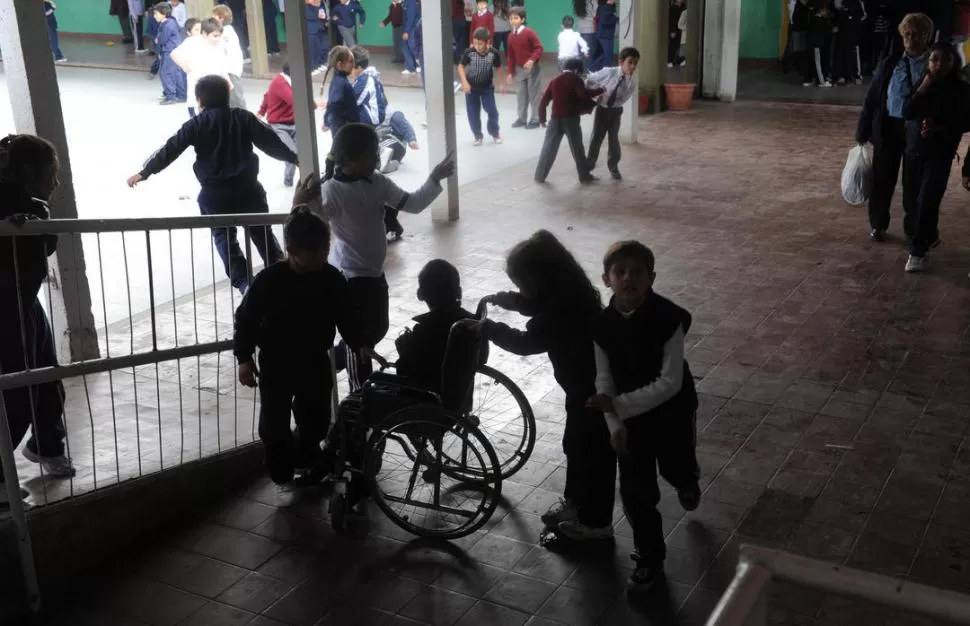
{"x":234,"y":53}
{"x":355,"y":210}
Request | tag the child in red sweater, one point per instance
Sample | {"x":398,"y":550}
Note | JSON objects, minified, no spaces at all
{"x":482,"y":18}
{"x":570,"y":99}
{"x":525,"y":52}
{"x":277,"y":111}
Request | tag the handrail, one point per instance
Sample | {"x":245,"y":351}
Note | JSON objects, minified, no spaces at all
{"x":137,"y":224}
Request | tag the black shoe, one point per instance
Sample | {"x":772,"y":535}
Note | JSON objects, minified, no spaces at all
{"x":690,"y":498}
{"x":644,"y":577}
{"x":588,"y":179}
{"x":877,"y":235}
{"x":518,"y":124}
{"x":616,"y":175}
{"x":532,"y":125}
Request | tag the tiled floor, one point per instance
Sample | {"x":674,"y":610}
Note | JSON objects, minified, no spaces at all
{"x":833,"y":423}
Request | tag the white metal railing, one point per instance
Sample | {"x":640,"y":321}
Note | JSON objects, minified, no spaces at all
{"x":744,"y":603}
{"x":164,"y":312}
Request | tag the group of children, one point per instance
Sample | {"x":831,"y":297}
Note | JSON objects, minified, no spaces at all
{"x":826,"y":37}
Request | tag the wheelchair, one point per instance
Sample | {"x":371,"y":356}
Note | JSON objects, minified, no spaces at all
{"x":416,"y":453}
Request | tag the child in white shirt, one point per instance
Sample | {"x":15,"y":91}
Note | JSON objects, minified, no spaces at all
{"x":200,"y":54}
{"x":571,"y":44}
{"x":352,"y":197}
{"x":234,"y":54}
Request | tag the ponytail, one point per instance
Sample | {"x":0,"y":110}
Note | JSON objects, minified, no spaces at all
{"x":338,"y":54}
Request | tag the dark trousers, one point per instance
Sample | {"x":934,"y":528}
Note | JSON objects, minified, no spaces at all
{"x":846,"y":58}
{"x":500,"y":41}
{"x":172,"y":77}
{"x":459,"y":37}
{"x":397,"y":37}
{"x":270,"y":11}
{"x":594,"y":51}
{"x":876,"y":48}
{"x":590,"y":465}
{"x":924,"y":183}
{"x":39,"y":407}
{"x":555,"y":130}
{"x":218,"y":202}
{"x":816,"y":64}
{"x":606,"y":125}
{"x":319,"y":43}
{"x":52,"y":35}
{"x":369,"y":302}
{"x":304,"y":392}
{"x":886,"y":158}
{"x":125,"y":28}
{"x":410,"y":57}
{"x":239,"y":23}
{"x":482,"y":98}
{"x":655,"y":441}
{"x":673,"y":46}
{"x":606,"y":53}
{"x":287,"y":132}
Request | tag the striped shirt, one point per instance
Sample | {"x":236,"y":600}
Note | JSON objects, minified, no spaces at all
{"x":480,"y":68}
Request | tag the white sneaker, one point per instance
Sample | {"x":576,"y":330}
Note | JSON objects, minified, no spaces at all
{"x":61,"y":60}
{"x":573,"y":529}
{"x":385,"y":158}
{"x":826,"y":84}
{"x":562,"y":511}
{"x":391,"y":167}
{"x":808,"y":84}
{"x":418,"y":69}
{"x":670,"y":65}
{"x":287,"y":495}
{"x":916,"y":263}
{"x":683,"y":63}
{"x":406,"y":72}
{"x":53,"y":465}
{"x":142,"y":52}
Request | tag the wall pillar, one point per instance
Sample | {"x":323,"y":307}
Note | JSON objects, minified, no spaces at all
{"x":297,"y":52}
{"x":652,"y":38}
{"x":36,"y":103}
{"x":201,"y":9}
{"x":257,"y":38}
{"x":722,"y":38}
{"x":630,"y":36}
{"x":440,"y":98}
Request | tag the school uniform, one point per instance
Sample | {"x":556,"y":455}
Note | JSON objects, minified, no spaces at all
{"x":639,"y":363}
{"x":52,"y":31}
{"x":606,"y":24}
{"x":292,"y":318}
{"x":846,"y":56}
{"x":270,"y":11}
{"x":525,"y":46}
{"x":395,"y":17}
{"x":571,"y":46}
{"x":817,"y":67}
{"x":277,"y":108}
{"x":586,"y":27}
{"x":482,"y":19}
{"x":929,"y":159}
{"x":204,"y":59}
{"x":617,"y":88}
{"x":172,"y":77}
{"x":479,"y":72}
{"x":355,"y":207}
{"x":421,"y":350}
{"x":342,"y":103}
{"x":136,"y":14}
{"x":566,"y":334}
{"x":318,"y":37}
{"x":345,"y":18}
{"x":412,"y":19}
{"x":238,"y":8}
{"x":676,"y":35}
{"x":26,"y":339}
{"x":232,"y":47}
{"x":500,"y":38}
{"x":227,"y":168}
{"x":570,"y":99}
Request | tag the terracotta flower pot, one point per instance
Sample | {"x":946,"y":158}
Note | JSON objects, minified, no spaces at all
{"x":680,"y":96}
{"x":643,"y":104}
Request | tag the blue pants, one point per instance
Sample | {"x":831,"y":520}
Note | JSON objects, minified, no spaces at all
{"x":606,"y":53}
{"x":319,"y":41}
{"x":482,"y":98}
{"x":173,"y":78}
{"x":253,"y":200}
{"x":594,"y":51}
{"x":410,"y":59}
{"x":52,"y":33}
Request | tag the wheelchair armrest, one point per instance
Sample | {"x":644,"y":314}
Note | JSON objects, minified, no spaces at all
{"x":402,"y":383}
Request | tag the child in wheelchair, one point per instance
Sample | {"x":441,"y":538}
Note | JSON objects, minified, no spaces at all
{"x":291,"y":313}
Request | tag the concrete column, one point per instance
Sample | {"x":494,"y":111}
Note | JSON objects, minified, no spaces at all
{"x":297,"y":52}
{"x":722,"y":37}
{"x":36,"y":103}
{"x":201,"y":9}
{"x":630,"y":36}
{"x":257,"y":38}
{"x":652,"y":38}
{"x":440,"y":98}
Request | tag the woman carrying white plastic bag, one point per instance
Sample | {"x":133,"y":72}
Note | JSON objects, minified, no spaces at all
{"x":857,"y":176}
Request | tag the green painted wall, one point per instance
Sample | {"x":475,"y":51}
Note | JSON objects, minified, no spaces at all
{"x":91,"y":16}
{"x":760,"y":28}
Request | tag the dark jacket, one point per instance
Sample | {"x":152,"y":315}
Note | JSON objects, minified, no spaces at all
{"x":341,"y":104}
{"x":849,"y":17}
{"x":421,"y":350}
{"x":801,"y":17}
{"x":606,"y":21}
{"x":874,"y":114}
{"x":673,"y":16}
{"x":31,"y":256}
{"x":412,"y":15}
{"x":635,"y":348}
{"x":567,"y":335}
{"x":820,"y":23}
{"x":223,"y":139}
{"x":947,"y":106}
{"x":293,"y":317}
{"x":346,"y":14}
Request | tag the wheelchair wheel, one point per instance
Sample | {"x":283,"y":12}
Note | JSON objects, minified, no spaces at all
{"x":503,"y":414}
{"x":406,"y":468}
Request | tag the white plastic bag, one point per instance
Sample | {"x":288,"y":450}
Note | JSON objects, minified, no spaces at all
{"x":857,"y":176}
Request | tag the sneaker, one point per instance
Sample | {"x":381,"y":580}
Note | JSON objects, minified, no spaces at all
{"x":417,"y":70}
{"x":142,"y":52}
{"x":61,"y":60}
{"x":518,"y":124}
{"x":877,"y":235}
{"x":916,"y":263}
{"x":826,"y":84}
{"x":477,"y":142}
{"x":167,"y":101}
{"x":561,"y":511}
{"x":683,"y":63}
{"x":406,"y":72}
{"x":577,"y":531}
{"x":841,"y":82}
{"x":588,"y":179}
{"x":497,"y":139}
{"x":385,"y":158}
{"x":690,"y":498}
{"x":391,"y":167}
{"x":52,"y":465}
{"x":808,"y":83}
{"x":645,"y":576}
{"x":616,"y":175}
{"x":670,"y":65}
{"x":532,"y":125}
{"x":287,"y":495}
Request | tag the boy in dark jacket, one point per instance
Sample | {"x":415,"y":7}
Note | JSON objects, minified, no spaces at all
{"x":606,"y":23}
{"x":291,"y":313}
{"x":646,"y":392}
{"x":421,"y":350}
{"x":168,"y":39}
{"x":570,"y":99}
{"x":227,"y":169}
{"x":344,"y":15}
